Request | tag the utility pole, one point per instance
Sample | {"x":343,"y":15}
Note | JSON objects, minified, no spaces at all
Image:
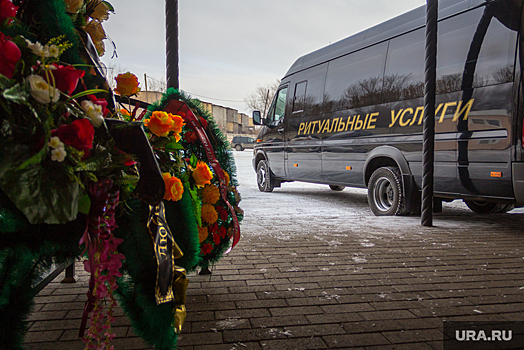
{"x":145,"y":81}
{"x":429,"y":113}
{"x":172,"y":43}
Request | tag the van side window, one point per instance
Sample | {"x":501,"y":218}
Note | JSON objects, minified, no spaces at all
{"x":404,"y":77}
{"x":457,"y":36}
{"x":300,"y":96}
{"x":278,"y":107}
{"x":355,"y":80}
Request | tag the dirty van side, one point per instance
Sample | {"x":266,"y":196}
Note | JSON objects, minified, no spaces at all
{"x":350,"y":114}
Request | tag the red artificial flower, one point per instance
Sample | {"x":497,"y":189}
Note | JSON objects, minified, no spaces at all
{"x":101,"y":102}
{"x":65,"y":78}
{"x":222,"y":213}
{"x":9,"y":55}
{"x":216,"y":238}
{"x":203,"y":122}
{"x":206,"y":248}
{"x":79,"y":135}
{"x":222,"y":232}
{"x":7,"y":11}
{"x":190,"y":137}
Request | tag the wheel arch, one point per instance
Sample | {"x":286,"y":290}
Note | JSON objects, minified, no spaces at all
{"x":385,"y":156}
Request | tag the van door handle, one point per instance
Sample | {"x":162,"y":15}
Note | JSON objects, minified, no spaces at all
{"x":280,"y":130}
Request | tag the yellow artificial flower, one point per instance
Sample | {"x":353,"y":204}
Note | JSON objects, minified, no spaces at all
{"x":174,"y":187}
{"x":96,"y":32}
{"x":202,"y":174}
{"x":209,"y":214}
{"x":159,"y":123}
{"x":210,"y":194}
{"x":127,"y":84}
{"x":202,"y":234}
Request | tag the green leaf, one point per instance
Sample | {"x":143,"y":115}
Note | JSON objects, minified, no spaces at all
{"x":5,"y":82}
{"x":84,"y":204}
{"x":193,"y":161}
{"x":85,"y":93}
{"x":16,"y":94}
{"x":173,"y":146}
{"x":43,"y":194}
{"x":197,"y":207}
{"x":36,"y":159}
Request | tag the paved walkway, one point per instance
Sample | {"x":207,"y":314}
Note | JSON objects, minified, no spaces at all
{"x":329,"y":289}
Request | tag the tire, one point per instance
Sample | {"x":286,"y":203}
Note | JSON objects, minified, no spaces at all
{"x":385,"y":192}
{"x":264,"y":177}
{"x":482,"y":207}
{"x":337,"y":188}
{"x":239,"y":148}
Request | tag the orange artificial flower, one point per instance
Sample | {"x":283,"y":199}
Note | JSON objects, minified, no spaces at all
{"x":202,"y":174}
{"x":178,"y":123}
{"x":124,"y":112}
{"x":202,"y":234}
{"x":127,"y":84}
{"x":210,"y":194}
{"x":174,"y":187}
{"x":209,"y":214}
{"x":159,"y":123}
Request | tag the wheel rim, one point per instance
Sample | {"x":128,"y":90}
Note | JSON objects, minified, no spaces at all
{"x":261,"y":176}
{"x":384,"y":194}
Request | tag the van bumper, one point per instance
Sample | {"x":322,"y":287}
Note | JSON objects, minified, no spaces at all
{"x":518,"y":182}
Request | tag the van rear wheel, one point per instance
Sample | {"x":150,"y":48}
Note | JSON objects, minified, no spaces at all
{"x":239,"y":148}
{"x":482,"y":207}
{"x":264,"y":177}
{"x":385,"y":192}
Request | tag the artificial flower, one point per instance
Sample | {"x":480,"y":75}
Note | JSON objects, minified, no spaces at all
{"x":9,"y":55}
{"x":96,"y":32}
{"x":202,"y":234}
{"x":124,"y":112}
{"x":7,"y":11}
{"x":58,"y":154}
{"x":226,"y":175}
{"x":100,"y":102}
{"x":127,"y":84}
{"x":51,"y":51}
{"x":222,"y":232}
{"x":178,"y":123}
{"x":101,"y":12}
{"x":160,"y":123}
{"x":54,"y":142}
{"x":36,"y":48}
{"x":79,"y":134}
{"x":206,"y":248}
{"x":209,"y":214}
{"x":41,"y":91}
{"x":190,"y":136}
{"x":216,"y":238}
{"x":222,"y":213}
{"x":174,"y":187}
{"x":72,"y":6}
{"x":65,"y":78}
{"x":94,"y":112}
{"x":202,"y":174}
{"x":210,"y":194}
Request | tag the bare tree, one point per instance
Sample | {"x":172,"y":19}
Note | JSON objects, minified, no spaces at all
{"x":156,"y":85}
{"x":260,"y":99}
{"x":112,"y":73}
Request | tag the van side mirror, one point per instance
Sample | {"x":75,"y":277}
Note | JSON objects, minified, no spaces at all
{"x":257,"y":118}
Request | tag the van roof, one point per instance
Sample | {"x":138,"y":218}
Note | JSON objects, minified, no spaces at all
{"x":404,"y":23}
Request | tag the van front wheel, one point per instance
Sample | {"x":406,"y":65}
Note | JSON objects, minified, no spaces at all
{"x":385,"y":194}
{"x":264,"y":177}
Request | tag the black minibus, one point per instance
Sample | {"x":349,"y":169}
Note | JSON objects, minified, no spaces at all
{"x":350,"y":114}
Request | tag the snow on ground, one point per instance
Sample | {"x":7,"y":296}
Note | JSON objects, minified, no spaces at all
{"x":304,"y":208}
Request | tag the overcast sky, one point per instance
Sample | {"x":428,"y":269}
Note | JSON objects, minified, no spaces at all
{"x":229,"y":47}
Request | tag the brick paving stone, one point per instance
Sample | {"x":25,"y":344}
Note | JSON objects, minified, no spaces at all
{"x":43,"y":336}
{"x":279,"y":321}
{"x":412,"y":336}
{"x":295,"y":344}
{"x":354,"y":340}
